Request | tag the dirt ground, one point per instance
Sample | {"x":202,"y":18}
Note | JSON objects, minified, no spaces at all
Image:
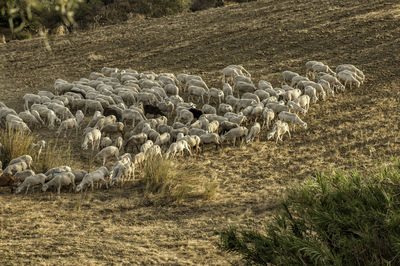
{"x":356,"y":129}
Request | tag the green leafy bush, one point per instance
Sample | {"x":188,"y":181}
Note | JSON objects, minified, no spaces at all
{"x":338,"y":219}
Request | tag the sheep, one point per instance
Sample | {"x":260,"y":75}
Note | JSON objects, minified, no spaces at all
{"x":268,"y":116}
{"x":92,"y":106}
{"x":79,"y":175}
{"x":317,"y":68}
{"x":79,"y":116}
{"x":312,"y":93}
{"x":118,"y":142}
{"x":100,"y":174}
{"x":303,"y":101}
{"x":292,"y":118}
{"x":277,"y":108}
{"x":163,"y":139}
{"x":46,"y":93}
{"x":11,"y":169}
{"x":249,"y":95}
{"x":107,"y":153}
{"x":154,"y":151}
{"x":234,"y":134}
{"x":216,"y":94}
{"x":264,"y":85}
{"x":290,"y":95}
{"x":122,"y":171}
{"x":23,"y":158}
{"x":18,"y":126}
{"x":310,"y":64}
{"x":147,"y":98}
{"x":353,"y":69}
{"x":166,"y":107}
{"x":254,"y":132}
{"x":103,"y":121}
{"x":117,"y":127}
{"x":230,"y":72}
{"x":261,"y":94}
{"x":177,"y":147}
{"x":30,"y":98}
{"x":55,"y":170}
{"x":139,"y":158}
{"x":224,"y":108}
{"x":31,"y":181}
{"x":135,"y":141}
{"x":278,"y":130}
{"x":288,"y":76}
{"x":196,"y":83}
{"x":134,"y":115}
{"x":225,"y":126}
{"x":197,"y":91}
{"x":333,"y":81}
{"x":293,"y":106}
{"x":94,"y":138}
{"x":38,"y":147}
{"x":146,"y":146}
{"x":297,"y":79}
{"x":30,"y":119}
{"x":348,"y":77}
{"x":22,"y":175}
{"x":210,"y":138}
{"x":67,"y":125}
{"x":243,"y":103}
{"x":227,"y":89}
{"x":326,"y":86}
{"x":171,"y":89}
{"x":60,"y":180}
{"x":192,"y":141}
{"x":105,"y":142}
{"x":185,"y":115}
{"x":242,"y":86}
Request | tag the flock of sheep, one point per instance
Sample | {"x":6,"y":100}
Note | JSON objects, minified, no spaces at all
{"x":121,"y":104}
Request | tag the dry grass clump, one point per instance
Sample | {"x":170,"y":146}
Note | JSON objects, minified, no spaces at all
{"x":17,"y":143}
{"x":14,"y":144}
{"x":164,"y":181}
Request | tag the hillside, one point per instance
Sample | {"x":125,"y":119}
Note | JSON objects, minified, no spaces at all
{"x":353,"y":130}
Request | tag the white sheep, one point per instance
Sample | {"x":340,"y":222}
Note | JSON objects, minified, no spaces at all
{"x":268,"y":116}
{"x":100,"y":174}
{"x":118,"y":142}
{"x":197,"y":91}
{"x":60,"y":180}
{"x":292,"y":119}
{"x":311,"y":92}
{"x":353,"y":69}
{"x":146,"y":146}
{"x":18,"y":126}
{"x":21,"y":176}
{"x":349,"y":78}
{"x":67,"y":125}
{"x":177,"y":147}
{"x":278,"y":130}
{"x":304,"y":102}
{"x":210,"y":138}
{"x":30,"y":119}
{"x":288,"y":76}
{"x":31,"y":98}
{"x":234,"y":134}
{"x":107,"y":153}
{"x":139,"y":158}
{"x":163,"y":139}
{"x":93,"y":137}
{"x":31,"y":181}
{"x":254,"y":132}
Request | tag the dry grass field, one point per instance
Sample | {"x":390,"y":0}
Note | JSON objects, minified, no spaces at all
{"x":357,"y":129}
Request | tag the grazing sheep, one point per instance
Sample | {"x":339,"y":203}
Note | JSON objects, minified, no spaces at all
{"x":216,"y":94}
{"x":312,"y":93}
{"x":348,"y":77}
{"x":31,"y":98}
{"x":23,"y":158}
{"x":292,"y":118}
{"x":107,"y":153}
{"x":304,"y":102}
{"x":21,"y":176}
{"x":92,"y":106}
{"x":105,"y":142}
{"x":254,"y":132}
{"x":163,"y":139}
{"x":288,"y":76}
{"x":79,"y":175}
{"x":11,"y":169}
{"x":60,"y":180}
{"x":268,"y":116}
{"x":146,"y":146}
{"x":18,"y":126}
{"x":31,"y":181}
{"x":278,"y":130}
{"x":30,"y":119}
{"x":109,"y":129}
{"x":53,"y":171}
{"x":177,"y":147}
{"x":234,"y":134}
{"x":139,"y":158}
{"x":277,"y":108}
{"x":100,"y":174}
{"x":67,"y":125}
{"x":197,"y":91}
{"x":93,"y":137}
{"x":353,"y":69}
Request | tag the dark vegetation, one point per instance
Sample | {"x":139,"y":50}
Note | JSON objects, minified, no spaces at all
{"x":337,"y":219}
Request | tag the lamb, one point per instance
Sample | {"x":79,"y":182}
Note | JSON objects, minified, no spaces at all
{"x":254,"y":132}
{"x":21,"y":176}
{"x":100,"y":174}
{"x":278,"y":130}
{"x":348,"y":77}
{"x":292,"y":118}
{"x":60,"y":180}
{"x":31,"y":181}
{"x":107,"y":153}
{"x":94,"y":138}
{"x":234,"y":134}
{"x":67,"y":125}
{"x":268,"y":116}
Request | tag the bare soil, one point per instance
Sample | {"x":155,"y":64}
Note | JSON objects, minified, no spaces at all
{"x":356,"y":129}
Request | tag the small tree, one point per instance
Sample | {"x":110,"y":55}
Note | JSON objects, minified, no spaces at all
{"x":340,"y":219}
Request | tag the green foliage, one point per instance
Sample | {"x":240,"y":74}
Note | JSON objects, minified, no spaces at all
{"x":338,"y":219}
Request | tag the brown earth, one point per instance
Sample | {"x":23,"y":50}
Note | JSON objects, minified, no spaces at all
{"x":356,"y":129}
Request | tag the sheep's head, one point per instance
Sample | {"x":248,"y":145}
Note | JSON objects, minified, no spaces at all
{"x":45,"y":187}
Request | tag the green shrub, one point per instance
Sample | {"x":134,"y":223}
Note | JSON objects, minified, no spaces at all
{"x":338,"y":219}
